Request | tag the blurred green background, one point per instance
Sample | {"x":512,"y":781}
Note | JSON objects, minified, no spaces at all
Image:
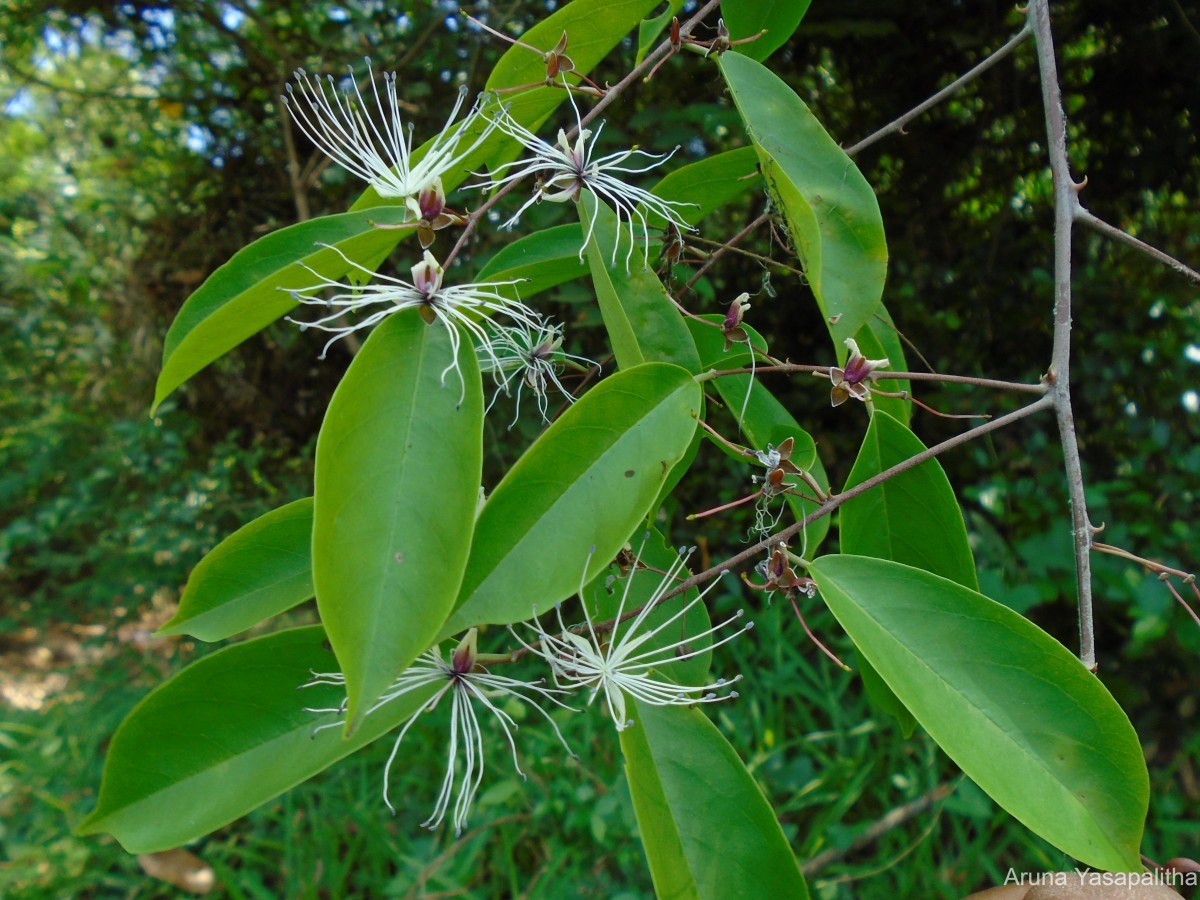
{"x":142,"y":144}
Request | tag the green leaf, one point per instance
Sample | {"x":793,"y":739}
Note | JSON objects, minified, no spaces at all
{"x":642,"y":322}
{"x":262,"y":569}
{"x":584,"y":483}
{"x":766,"y":420}
{"x":398,"y":467}
{"x":250,"y":291}
{"x":746,"y":18}
{"x":223,"y":736}
{"x":1009,"y":704}
{"x":707,"y":829}
{"x":912,"y":518}
{"x":831,"y":210}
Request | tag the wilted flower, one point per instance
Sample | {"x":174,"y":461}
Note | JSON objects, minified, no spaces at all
{"x":618,"y":662}
{"x":852,"y":380}
{"x":341,"y":125}
{"x":466,"y":305}
{"x":467,"y":683}
{"x":732,"y":327}
{"x":564,"y":171}
{"x":533,"y":358}
{"x":778,"y":574}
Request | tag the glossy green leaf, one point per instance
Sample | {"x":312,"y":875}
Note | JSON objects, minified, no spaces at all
{"x":1008,"y":703}
{"x":766,"y":420}
{"x":830,"y":209}
{"x":584,"y":483}
{"x":912,"y":518}
{"x":222,"y":737}
{"x":398,"y":468}
{"x":642,"y":322}
{"x":262,"y":569}
{"x":746,"y":18}
{"x":707,"y":830}
{"x":250,"y":291}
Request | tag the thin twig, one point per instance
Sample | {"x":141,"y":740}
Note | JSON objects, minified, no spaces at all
{"x":1156,"y":567}
{"x":721,"y":251}
{"x":609,"y":95}
{"x":837,"y":500}
{"x":898,"y":125}
{"x":787,"y":368}
{"x":661,"y":50}
{"x":766,"y":260}
{"x":881,"y":826}
{"x":1066,"y":202}
{"x":1084,"y":217}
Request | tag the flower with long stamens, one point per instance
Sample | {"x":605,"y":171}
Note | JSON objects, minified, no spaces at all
{"x":468,"y":685}
{"x":565,"y":170}
{"x":465,"y":306}
{"x":533,"y":358}
{"x":854,"y":379}
{"x":341,"y":124}
{"x":624,"y":660}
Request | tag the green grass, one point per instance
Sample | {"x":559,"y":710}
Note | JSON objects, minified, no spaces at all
{"x":830,"y":766}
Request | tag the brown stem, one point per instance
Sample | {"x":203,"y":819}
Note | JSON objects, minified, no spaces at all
{"x":1150,"y":565}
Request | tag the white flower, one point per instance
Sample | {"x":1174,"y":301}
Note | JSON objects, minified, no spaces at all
{"x":564,"y":171}
{"x":468,"y":684}
{"x":619,"y":664}
{"x":380,"y":154}
{"x":533,"y":357}
{"x":465,"y":306}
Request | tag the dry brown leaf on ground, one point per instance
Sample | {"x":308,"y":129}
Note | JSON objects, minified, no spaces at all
{"x":179,"y":867}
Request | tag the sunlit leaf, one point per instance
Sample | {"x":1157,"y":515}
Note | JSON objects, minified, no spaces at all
{"x":642,"y":322}
{"x":222,"y":737}
{"x":250,"y":291}
{"x":830,"y":208}
{"x":398,"y":469}
{"x":576,"y":495}
{"x":262,"y":569}
{"x":707,"y":830}
{"x":912,"y":518}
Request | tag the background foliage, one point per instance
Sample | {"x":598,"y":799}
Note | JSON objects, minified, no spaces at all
{"x":144,"y":145}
